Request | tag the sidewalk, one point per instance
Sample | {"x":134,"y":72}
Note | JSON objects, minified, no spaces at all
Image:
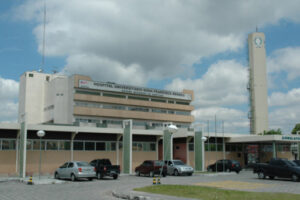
{"x":35,"y":179}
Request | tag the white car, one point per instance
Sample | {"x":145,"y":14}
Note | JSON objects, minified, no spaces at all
{"x":75,"y":170}
{"x":177,"y":167}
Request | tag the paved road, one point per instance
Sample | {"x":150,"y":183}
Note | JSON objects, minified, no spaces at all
{"x":102,"y":189}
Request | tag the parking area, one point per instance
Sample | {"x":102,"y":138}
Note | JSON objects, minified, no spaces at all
{"x":102,"y":189}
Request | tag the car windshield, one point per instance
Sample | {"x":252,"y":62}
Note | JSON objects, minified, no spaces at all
{"x":83,"y":164}
{"x":158,"y":163}
{"x":235,"y":162}
{"x":290,"y":163}
{"x":178,"y":162}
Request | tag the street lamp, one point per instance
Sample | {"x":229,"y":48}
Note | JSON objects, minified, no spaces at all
{"x":40,"y":134}
{"x":203,"y":139}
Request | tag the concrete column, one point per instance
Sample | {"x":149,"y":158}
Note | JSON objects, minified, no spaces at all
{"x":274,"y":150}
{"x":22,"y":150}
{"x":17,"y":150}
{"x":157,"y":146}
{"x":167,"y":145}
{"x":188,"y":139}
{"x":198,"y":150}
{"x":72,"y":145}
{"x":117,"y":148}
{"x":127,"y":147}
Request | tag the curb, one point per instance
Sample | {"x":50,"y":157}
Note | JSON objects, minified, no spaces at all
{"x":130,"y":196}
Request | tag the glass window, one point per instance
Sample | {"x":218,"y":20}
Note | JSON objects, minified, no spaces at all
{"x":120,"y":144}
{"x":233,"y":147}
{"x":113,"y":146}
{"x":29,"y":145}
{"x":227,"y":147}
{"x":30,"y":75}
{"x":159,"y":110}
{"x":141,"y":109}
{"x":64,"y":145}
{"x":182,"y":113}
{"x":182,"y":103}
{"x":87,"y":92}
{"x":220,"y":147}
{"x":83,"y":164}
{"x":159,"y":100}
{"x":71,"y":165}
{"x":137,"y":146}
{"x":152,"y":147}
{"x":36,"y":145}
{"x":114,"y":95}
{"x":89,"y":146}
{"x":146,"y":146}
{"x":170,"y":101}
{"x":239,"y":147}
{"x":78,"y":145}
{"x":8,"y":144}
{"x":191,"y":146}
{"x":100,"y":146}
{"x":138,"y":98}
{"x":52,"y":145}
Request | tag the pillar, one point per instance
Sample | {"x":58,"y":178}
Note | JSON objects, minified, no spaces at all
{"x":117,"y":148}
{"x":188,"y":139}
{"x":22,"y":150}
{"x":274,"y":150}
{"x":198,"y":150}
{"x":72,"y":145}
{"x":298,"y":156}
{"x":167,"y":145}
{"x":127,"y":147}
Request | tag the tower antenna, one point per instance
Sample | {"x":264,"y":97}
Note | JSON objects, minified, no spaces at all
{"x":44,"y":33}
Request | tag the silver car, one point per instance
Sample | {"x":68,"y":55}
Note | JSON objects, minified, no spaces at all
{"x":177,"y":167}
{"x":75,"y":170}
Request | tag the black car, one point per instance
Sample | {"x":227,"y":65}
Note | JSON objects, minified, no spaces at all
{"x":105,"y":168}
{"x":225,"y":166}
{"x":297,"y":162}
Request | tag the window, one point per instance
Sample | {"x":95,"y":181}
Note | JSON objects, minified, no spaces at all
{"x":191,"y":146}
{"x":182,"y":103}
{"x":47,"y":78}
{"x":30,"y":75}
{"x":100,"y":146}
{"x":64,"y":145}
{"x":152,"y":147}
{"x":182,"y":113}
{"x":170,"y":101}
{"x":78,"y":145}
{"x":141,"y":109}
{"x":114,"y":95}
{"x":52,"y":145}
{"x":71,"y":165}
{"x":158,"y":110}
{"x":36,"y":145}
{"x":8,"y":144}
{"x":90,"y":146}
{"x":87,"y":92}
{"x":137,"y":146}
{"x":159,"y":100}
{"x":138,"y":98}
{"x":29,"y":145}
{"x":113,"y":146}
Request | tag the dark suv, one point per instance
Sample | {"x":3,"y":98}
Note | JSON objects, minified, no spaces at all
{"x":151,"y":168}
{"x":225,"y":166}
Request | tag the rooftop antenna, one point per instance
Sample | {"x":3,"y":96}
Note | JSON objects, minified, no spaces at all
{"x":44,"y":32}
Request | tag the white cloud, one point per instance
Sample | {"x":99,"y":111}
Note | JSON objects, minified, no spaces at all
{"x":285,"y":60}
{"x":9,"y":90}
{"x":290,"y":98}
{"x":224,"y":83}
{"x":163,"y":39}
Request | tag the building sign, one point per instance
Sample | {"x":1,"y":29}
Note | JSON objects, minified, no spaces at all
{"x":291,"y":138}
{"x":106,"y":86}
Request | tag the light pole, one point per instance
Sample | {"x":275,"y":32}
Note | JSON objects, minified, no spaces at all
{"x":203,"y":154}
{"x":40,"y":134}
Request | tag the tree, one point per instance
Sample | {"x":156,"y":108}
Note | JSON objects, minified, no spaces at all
{"x":273,"y":132}
{"x":296,"y":128}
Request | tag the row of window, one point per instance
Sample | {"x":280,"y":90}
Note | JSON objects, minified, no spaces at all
{"x":219,"y":147}
{"x":10,"y":144}
{"x":131,"y":108}
{"x":88,"y":92}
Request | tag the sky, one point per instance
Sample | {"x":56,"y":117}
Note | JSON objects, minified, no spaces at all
{"x":172,"y":44}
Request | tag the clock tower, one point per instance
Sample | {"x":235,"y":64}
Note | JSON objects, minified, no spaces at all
{"x":258,"y":113}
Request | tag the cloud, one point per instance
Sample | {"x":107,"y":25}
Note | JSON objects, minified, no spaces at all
{"x":9,"y":90}
{"x":285,"y":60}
{"x":161,"y":39}
{"x":224,"y":83}
{"x":290,"y":98}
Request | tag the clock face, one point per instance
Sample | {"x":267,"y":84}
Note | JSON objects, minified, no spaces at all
{"x":258,"y":41}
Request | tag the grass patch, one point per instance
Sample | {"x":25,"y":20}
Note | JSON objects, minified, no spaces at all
{"x":209,"y":193}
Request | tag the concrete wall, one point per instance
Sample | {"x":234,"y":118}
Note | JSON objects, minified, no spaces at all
{"x":8,"y":162}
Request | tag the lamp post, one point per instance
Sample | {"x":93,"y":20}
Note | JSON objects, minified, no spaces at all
{"x":203,"y":139}
{"x":40,"y":134}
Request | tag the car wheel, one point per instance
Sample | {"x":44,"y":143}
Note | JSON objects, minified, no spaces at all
{"x":138,"y":173}
{"x":56,"y":176}
{"x":237,"y":171}
{"x":190,"y":174}
{"x":271,"y":177}
{"x":90,"y":179}
{"x":176,"y":172}
{"x":261,"y":175}
{"x":115,"y":176}
{"x":73,"y":177}
{"x":151,"y":174}
{"x":164,"y":174}
{"x":295,"y":178}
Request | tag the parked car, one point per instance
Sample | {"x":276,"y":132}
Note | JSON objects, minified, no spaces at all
{"x":280,"y":168}
{"x":75,"y":170}
{"x":177,"y":167}
{"x":151,"y":168}
{"x":225,"y":165}
{"x":297,"y":162}
{"x":105,"y":168}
